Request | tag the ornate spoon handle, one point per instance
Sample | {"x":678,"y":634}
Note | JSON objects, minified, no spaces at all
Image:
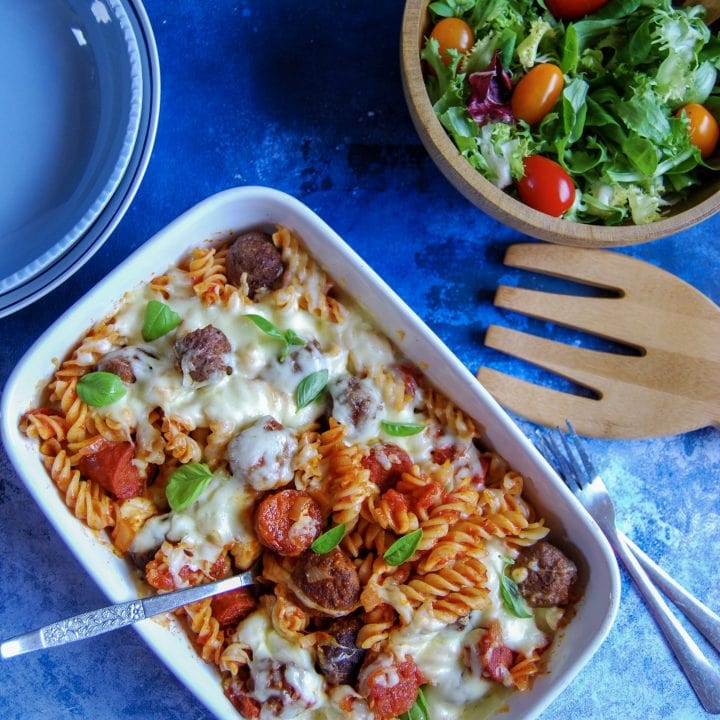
{"x":115,"y":616}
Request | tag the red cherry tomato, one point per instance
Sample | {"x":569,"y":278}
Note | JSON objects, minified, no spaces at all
{"x":546,"y":186}
{"x":573,"y":9}
{"x":452,"y":33}
{"x":703,"y":128}
{"x":537,"y":92}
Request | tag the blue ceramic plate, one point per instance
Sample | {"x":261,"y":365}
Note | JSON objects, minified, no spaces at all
{"x":71,"y":93}
{"x":85,"y":247}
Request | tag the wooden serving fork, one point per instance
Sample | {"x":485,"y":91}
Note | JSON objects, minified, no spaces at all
{"x":673,"y":386}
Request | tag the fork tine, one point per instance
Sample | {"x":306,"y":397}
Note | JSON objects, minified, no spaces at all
{"x":556,"y":458}
{"x":581,"y":473}
{"x":580,"y":447}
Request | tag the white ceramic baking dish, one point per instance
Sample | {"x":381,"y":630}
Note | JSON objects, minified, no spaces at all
{"x":236,"y":209}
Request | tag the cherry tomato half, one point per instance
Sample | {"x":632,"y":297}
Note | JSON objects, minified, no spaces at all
{"x":537,"y":92}
{"x":703,"y":128}
{"x":452,"y":33}
{"x":546,"y":186}
{"x":573,"y":9}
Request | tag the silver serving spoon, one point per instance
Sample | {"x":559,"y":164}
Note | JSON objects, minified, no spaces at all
{"x":112,"y":617}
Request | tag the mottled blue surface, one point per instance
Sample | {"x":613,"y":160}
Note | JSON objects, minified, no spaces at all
{"x":306,"y":97}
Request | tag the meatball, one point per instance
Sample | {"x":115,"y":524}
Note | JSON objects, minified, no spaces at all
{"x":255,"y":254}
{"x":117,"y":365}
{"x":338,"y":658}
{"x":356,"y":402}
{"x":287,"y":522}
{"x":201,"y":354}
{"x":329,"y":580}
{"x":544,"y":575}
{"x":262,"y":454}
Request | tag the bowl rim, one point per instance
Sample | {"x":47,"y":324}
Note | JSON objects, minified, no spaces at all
{"x":92,"y":204}
{"x":597,"y":609}
{"x":497,"y":203}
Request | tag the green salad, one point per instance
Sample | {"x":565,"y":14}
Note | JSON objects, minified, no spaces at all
{"x":601,"y":118}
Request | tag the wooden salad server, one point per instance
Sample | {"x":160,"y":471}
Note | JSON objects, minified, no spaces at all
{"x":673,"y":386}
{"x":712,"y":7}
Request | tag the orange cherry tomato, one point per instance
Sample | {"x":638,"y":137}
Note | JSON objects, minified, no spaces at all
{"x":537,"y":92}
{"x":546,"y":186}
{"x":452,"y":33}
{"x":703,"y":128}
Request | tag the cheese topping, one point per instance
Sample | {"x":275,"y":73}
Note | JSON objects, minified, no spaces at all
{"x":244,"y":421}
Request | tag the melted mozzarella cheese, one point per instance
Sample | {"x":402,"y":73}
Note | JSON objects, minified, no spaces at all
{"x":299,"y":672}
{"x":519,"y":634}
{"x":219,"y":517}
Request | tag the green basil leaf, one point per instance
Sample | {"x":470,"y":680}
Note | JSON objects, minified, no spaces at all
{"x":310,"y":387}
{"x":100,"y":388}
{"x":510,"y":593}
{"x":401,"y":429}
{"x":187,"y":484}
{"x":292,"y":338}
{"x":328,"y":540}
{"x":419,"y":710}
{"x":266,"y":326}
{"x":159,"y":320}
{"x":403,"y":548}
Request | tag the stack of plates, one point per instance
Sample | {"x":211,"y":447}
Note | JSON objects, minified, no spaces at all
{"x":80,"y":94}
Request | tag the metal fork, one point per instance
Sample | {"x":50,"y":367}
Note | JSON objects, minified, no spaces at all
{"x":566,"y":452}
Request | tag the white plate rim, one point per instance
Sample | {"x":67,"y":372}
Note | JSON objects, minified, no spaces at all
{"x":27,"y":272}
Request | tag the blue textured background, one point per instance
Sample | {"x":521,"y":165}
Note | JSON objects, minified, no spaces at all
{"x":306,"y":97}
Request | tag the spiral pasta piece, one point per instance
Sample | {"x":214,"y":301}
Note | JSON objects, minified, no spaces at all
{"x":207,"y":632}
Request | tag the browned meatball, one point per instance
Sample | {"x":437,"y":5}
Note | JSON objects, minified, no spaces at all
{"x":118,"y":365}
{"x":329,"y":580}
{"x":255,"y":254}
{"x":338,"y":658}
{"x":200,"y":353}
{"x":544,"y":575}
{"x":355,"y":402}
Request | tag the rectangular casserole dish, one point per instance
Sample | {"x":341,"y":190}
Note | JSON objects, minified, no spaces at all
{"x":241,"y":208}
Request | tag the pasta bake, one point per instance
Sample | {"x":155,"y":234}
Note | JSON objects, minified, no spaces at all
{"x":241,"y":411}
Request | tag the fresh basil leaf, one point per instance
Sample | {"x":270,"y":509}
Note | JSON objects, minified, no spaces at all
{"x":328,"y":540}
{"x":187,"y":484}
{"x":159,"y":320}
{"x":100,"y":388}
{"x":401,"y":429}
{"x":266,"y":326}
{"x":287,"y":338}
{"x":403,"y":548}
{"x":510,"y":593}
{"x":310,"y":387}
{"x":419,"y":710}
{"x":292,"y":338}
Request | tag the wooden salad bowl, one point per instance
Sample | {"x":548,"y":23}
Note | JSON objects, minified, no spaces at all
{"x":700,"y":205}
